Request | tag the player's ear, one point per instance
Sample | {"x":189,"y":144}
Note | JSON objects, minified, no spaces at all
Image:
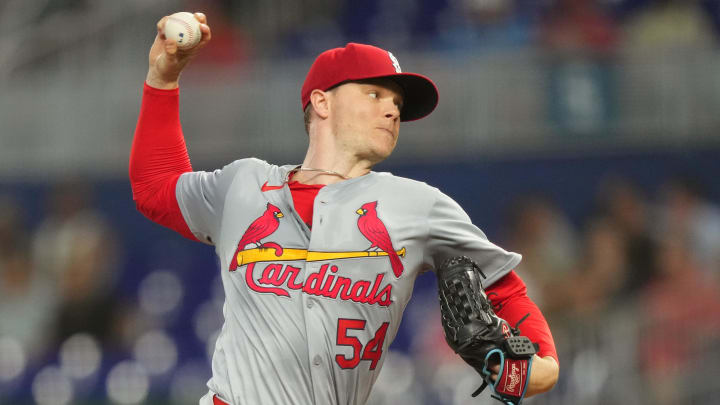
{"x":320,"y":101}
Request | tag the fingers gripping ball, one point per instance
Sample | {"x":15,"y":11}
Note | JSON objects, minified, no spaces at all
{"x":481,"y":338}
{"x":184,"y":29}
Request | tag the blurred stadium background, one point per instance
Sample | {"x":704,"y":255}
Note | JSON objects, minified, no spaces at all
{"x":584,"y":134}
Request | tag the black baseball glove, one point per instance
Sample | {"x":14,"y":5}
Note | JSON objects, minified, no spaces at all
{"x":479,"y":336}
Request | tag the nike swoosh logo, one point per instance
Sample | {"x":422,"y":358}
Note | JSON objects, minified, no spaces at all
{"x":265,"y":187}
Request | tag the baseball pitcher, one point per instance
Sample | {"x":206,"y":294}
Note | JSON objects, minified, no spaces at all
{"x":319,"y":259}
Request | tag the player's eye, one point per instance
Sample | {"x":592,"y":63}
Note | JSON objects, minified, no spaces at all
{"x":374,"y":94}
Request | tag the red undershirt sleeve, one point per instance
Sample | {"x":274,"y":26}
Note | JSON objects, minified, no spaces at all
{"x":157,"y":159}
{"x":509,"y":298}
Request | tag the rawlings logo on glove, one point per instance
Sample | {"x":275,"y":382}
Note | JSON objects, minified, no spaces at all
{"x":479,"y":336}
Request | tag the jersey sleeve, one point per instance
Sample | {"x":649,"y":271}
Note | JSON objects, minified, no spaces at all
{"x":201,"y":196}
{"x":452,"y":233}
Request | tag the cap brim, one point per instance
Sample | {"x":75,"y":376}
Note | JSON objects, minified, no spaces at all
{"x":421,"y":95}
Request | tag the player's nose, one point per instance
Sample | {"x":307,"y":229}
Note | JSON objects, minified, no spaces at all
{"x":392,"y":111}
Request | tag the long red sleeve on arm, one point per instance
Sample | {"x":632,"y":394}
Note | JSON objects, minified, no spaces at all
{"x":509,"y":298}
{"x":157,"y":159}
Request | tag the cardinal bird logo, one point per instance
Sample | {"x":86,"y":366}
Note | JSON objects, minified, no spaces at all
{"x":375,"y":231}
{"x":261,"y":228}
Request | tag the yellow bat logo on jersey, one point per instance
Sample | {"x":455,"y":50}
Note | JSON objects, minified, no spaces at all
{"x":277,"y":253}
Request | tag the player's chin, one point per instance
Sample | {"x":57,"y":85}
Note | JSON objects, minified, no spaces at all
{"x":386,"y":139}
{"x":383,"y":150}
{"x":377,"y":154}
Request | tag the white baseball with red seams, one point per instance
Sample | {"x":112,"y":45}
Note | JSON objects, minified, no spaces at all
{"x":184,"y":28}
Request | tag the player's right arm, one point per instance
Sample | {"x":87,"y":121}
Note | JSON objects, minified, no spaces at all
{"x":158,"y":156}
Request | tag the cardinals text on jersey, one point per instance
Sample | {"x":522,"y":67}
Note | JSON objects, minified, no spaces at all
{"x":279,"y":278}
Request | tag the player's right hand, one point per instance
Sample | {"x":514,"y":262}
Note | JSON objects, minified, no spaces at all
{"x":167,"y":61}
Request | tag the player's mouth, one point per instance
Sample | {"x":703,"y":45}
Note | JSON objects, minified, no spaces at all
{"x":388,"y":131}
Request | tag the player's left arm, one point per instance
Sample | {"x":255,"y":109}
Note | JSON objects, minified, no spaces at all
{"x":543,"y":376}
{"x":451,"y":233}
{"x":510,"y":300}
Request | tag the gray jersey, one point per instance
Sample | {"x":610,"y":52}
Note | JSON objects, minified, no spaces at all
{"x":309,"y":315}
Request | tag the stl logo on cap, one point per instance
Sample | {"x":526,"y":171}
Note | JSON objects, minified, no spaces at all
{"x":395,"y":62}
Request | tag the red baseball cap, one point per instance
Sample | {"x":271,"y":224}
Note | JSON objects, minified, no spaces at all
{"x":357,"y":62}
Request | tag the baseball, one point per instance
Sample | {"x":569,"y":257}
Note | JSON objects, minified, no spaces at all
{"x":184,"y":28}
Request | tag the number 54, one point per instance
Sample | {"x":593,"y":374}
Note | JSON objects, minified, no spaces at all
{"x":372,"y":350}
